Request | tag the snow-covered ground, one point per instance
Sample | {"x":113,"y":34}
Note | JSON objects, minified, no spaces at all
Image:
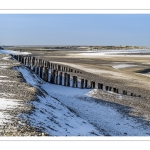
{"x":63,"y":111}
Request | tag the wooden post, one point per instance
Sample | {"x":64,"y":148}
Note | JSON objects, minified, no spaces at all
{"x":99,"y":86}
{"x":25,"y":60}
{"x":82,"y":83}
{"x":41,"y":72}
{"x":65,"y":78}
{"x":56,"y":77}
{"x":76,"y":81}
{"x":59,"y":68}
{"x":52,"y":76}
{"x":106,"y":88}
{"x":48,"y":64}
{"x":86,"y":83}
{"x":68,"y":79}
{"x":18,"y":57}
{"x":110,"y":88}
{"x":60,"y":78}
{"x":91,"y":84}
{"x":73,"y":82}
{"x":46,"y":74}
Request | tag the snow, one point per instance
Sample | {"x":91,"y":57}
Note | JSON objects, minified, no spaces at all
{"x":107,"y":52}
{"x":3,"y":76}
{"x":67,"y":111}
{"x":53,"y":116}
{"x":6,"y":81}
{"x":13,"y":52}
{"x":6,"y":58}
{"x":7,"y":104}
{"x":119,"y":66}
{"x":110,"y":53}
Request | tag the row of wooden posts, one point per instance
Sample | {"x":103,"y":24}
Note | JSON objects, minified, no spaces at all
{"x":59,"y":74}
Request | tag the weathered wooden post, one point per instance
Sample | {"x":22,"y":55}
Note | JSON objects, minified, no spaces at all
{"x":66,"y":69}
{"x":86,"y":83}
{"x":56,"y":77}
{"x":36,"y":63}
{"x":65,"y":78}
{"x":60,"y":78}
{"x":41,"y":72}
{"x":43,"y":63}
{"x":25,"y":61}
{"x":91,"y":84}
{"x":59,"y":68}
{"x":68,"y":79}
{"x":73,"y":81}
{"x":28,"y":61}
{"x":76,"y":81}
{"x":46,"y":74}
{"x":18,"y":57}
{"x":40,"y":62}
{"x":82,"y":83}
{"x":52,"y":76}
{"x":110,"y":88}
{"x":106,"y":88}
{"x":51,"y":65}
{"x":117,"y":91}
{"x":48,"y":64}
{"x":99,"y":86}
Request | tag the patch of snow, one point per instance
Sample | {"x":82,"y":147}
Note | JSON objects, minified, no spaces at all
{"x":13,"y":52}
{"x":6,"y":81}
{"x":4,"y":94}
{"x":3,"y":67}
{"x":3,"y":76}
{"x":6,"y":58}
{"x":7,"y":104}
{"x":119,"y":66}
{"x":72,"y":111}
{"x":110,"y":53}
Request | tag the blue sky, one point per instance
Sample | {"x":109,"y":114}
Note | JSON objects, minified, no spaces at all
{"x":75,"y":29}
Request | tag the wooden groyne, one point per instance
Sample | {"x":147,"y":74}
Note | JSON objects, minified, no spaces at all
{"x":67,"y":76}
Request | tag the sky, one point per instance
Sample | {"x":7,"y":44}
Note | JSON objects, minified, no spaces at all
{"x":75,"y":29}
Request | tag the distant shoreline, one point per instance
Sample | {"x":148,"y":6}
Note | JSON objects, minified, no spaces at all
{"x":46,"y":48}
